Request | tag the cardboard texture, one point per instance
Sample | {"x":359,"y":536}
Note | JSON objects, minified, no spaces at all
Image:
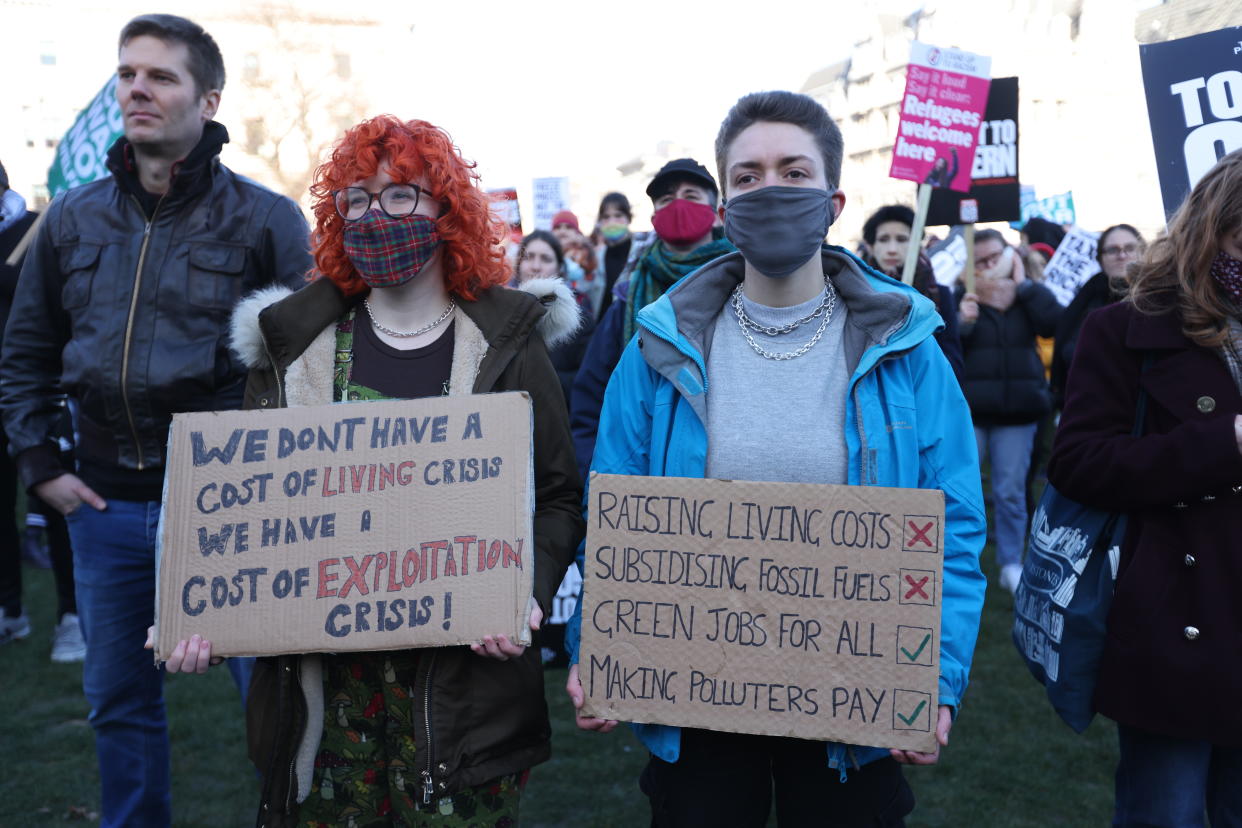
{"x":365,"y":526}
{"x":784,"y":609}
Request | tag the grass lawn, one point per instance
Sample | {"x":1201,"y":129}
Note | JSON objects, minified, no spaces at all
{"x":1011,"y":762}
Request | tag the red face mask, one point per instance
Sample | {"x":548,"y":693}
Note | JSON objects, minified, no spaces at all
{"x":683,"y":222}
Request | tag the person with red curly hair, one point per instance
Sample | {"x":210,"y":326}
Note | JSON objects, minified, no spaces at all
{"x":408,"y":300}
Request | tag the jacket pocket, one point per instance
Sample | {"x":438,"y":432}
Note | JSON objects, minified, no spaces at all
{"x":215,"y":275}
{"x":78,"y":263}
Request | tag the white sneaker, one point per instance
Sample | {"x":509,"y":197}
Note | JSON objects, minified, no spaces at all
{"x":1010,"y":574}
{"x":67,"y":643}
{"x":13,"y":626}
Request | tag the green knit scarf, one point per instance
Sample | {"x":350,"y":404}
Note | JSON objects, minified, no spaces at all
{"x":658,"y":270}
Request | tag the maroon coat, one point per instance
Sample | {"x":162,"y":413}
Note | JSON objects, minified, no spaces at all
{"x":1172,"y":663}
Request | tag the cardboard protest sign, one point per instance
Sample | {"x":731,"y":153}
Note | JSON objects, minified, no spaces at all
{"x":941,"y":111}
{"x":1194,"y":102}
{"x":504,"y":204}
{"x":361,"y":526}
{"x":775,"y":608}
{"x":1072,"y":265}
{"x":82,"y":154}
{"x":551,"y":195}
{"x":994,"y":175}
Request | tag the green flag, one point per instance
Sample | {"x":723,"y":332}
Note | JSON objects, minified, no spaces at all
{"x":82,"y":154}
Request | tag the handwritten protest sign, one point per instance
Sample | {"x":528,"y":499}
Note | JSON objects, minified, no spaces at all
{"x":948,"y":257}
{"x":941,"y":111}
{"x":551,"y":195}
{"x":774,"y":608}
{"x":1072,"y":265}
{"x":1194,"y":102}
{"x":367,"y":526}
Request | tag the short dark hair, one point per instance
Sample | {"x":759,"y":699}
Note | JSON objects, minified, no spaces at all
{"x":543,"y":236}
{"x":670,"y":183}
{"x":206,"y":64}
{"x":891,"y":212}
{"x":783,"y":108}
{"x":988,"y":234}
{"x":1038,"y":229}
{"x":617,"y":200}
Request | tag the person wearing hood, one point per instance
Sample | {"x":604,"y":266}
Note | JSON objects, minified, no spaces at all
{"x":1005,"y":383}
{"x":408,"y":301}
{"x":123,"y":305}
{"x":539,"y":267}
{"x":792,"y":361}
{"x":684,"y":196}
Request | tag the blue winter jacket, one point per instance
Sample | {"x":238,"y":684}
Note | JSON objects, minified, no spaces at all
{"x":907,"y":425}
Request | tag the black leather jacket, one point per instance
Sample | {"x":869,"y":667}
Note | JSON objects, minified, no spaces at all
{"x":124,"y":305}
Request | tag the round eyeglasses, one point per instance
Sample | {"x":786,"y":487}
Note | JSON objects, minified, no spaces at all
{"x":396,"y":200}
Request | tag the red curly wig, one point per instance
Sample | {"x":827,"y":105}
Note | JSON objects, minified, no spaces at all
{"x":471,"y":235}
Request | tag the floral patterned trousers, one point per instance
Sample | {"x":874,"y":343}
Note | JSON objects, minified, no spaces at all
{"x":366,"y":771}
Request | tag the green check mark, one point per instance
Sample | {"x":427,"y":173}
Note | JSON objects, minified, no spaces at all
{"x":915,"y":714}
{"x":913,"y":656}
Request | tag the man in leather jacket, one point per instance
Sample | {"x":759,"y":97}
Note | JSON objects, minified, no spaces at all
{"x":123,"y":303}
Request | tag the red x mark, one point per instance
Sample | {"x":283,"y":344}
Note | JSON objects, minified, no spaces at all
{"x":358,"y":576}
{"x":921,"y":534}
{"x":917,"y":587}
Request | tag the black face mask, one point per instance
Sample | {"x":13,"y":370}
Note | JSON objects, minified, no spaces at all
{"x":778,"y":229}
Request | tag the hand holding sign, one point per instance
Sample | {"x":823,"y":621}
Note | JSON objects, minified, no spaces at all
{"x":573,"y":686}
{"x":189,"y":656}
{"x":500,"y":647}
{"x":944,"y":723}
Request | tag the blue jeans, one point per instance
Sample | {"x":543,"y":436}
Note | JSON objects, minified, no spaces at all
{"x":114,"y":571}
{"x":1165,"y":782}
{"x":1009,"y":448}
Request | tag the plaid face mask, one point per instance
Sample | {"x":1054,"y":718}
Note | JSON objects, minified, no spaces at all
{"x":390,"y":251}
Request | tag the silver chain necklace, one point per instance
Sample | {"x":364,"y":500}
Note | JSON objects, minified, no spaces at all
{"x":826,"y":307}
{"x":408,"y":334}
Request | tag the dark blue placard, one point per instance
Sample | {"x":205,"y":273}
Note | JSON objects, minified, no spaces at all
{"x":1194,"y":101}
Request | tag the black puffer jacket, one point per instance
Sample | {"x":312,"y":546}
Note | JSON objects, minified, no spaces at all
{"x":1004,"y":377}
{"x":128,"y":312}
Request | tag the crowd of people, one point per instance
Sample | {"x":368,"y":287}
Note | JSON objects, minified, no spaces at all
{"x":175,"y":285}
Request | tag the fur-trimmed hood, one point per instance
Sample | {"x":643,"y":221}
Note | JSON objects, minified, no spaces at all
{"x":562,"y":317}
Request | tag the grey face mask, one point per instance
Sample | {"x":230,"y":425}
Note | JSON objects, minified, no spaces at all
{"x":778,"y":229}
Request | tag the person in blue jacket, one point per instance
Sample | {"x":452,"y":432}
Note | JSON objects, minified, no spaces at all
{"x":793,"y":361}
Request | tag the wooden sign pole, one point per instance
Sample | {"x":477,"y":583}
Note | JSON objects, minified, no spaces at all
{"x":916,"y":234}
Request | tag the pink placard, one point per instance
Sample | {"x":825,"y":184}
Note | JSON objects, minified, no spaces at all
{"x":943,"y":105}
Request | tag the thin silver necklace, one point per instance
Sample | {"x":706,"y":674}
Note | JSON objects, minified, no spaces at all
{"x":826,"y":306}
{"x":366,"y":302}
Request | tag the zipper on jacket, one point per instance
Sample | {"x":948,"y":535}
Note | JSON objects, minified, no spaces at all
{"x":280,"y":389}
{"x":695,"y":357}
{"x":428,"y":788}
{"x":863,"y":458}
{"x":291,"y":793}
{"x":129,"y":326}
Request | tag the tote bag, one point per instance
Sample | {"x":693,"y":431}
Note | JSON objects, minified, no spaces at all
{"x":1062,"y":600}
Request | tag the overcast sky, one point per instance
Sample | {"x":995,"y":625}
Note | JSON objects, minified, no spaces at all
{"x":552,"y":88}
